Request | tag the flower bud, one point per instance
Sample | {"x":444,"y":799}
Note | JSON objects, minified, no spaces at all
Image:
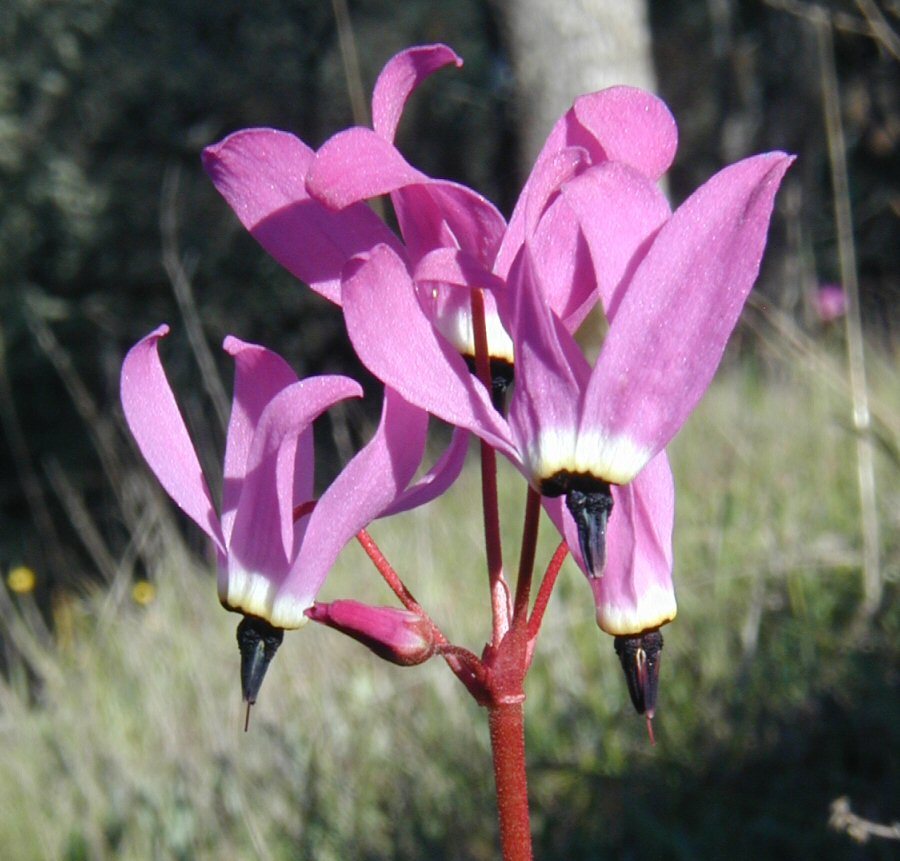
{"x":399,"y":636}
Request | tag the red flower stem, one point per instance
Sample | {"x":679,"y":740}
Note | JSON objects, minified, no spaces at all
{"x":526,"y":558}
{"x":493,"y":545}
{"x":379,"y":560}
{"x":543,"y":596}
{"x":467,"y":666}
{"x":507,"y":726}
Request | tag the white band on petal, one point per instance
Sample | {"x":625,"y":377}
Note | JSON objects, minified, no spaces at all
{"x":455,"y":325}
{"x":615,"y":459}
{"x":256,"y":595}
{"x":656,"y":607}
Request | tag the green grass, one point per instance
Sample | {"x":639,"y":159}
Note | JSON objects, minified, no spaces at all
{"x":121,"y":731}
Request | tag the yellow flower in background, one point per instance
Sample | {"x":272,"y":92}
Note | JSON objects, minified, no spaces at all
{"x":21,"y":580}
{"x":143,"y":592}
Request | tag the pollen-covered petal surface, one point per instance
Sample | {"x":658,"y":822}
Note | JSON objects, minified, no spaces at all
{"x":160,"y":433}
{"x":261,"y":174}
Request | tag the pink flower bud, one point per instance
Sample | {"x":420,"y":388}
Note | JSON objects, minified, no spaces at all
{"x":399,"y":636}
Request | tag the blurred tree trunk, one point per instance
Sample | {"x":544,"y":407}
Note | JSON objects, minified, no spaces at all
{"x":563,"y":48}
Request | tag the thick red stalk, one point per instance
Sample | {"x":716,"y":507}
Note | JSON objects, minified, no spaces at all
{"x":507,"y":725}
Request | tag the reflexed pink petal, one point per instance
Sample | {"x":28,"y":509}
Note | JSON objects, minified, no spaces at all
{"x":628,"y":125}
{"x":546,"y":178}
{"x":619,"y":211}
{"x":357,"y":164}
{"x":159,"y":430}
{"x":617,"y":124}
{"x":550,"y":375}
{"x":261,"y":174}
{"x":262,"y":540}
{"x":370,"y":483}
{"x":562,"y":261}
{"x":636,"y":591}
{"x":397,"y":342}
{"x":259,"y":375}
{"x":457,"y":267}
{"x":437,"y":479}
{"x":676,"y":316}
{"x":402,"y":74}
{"x":439,"y":213}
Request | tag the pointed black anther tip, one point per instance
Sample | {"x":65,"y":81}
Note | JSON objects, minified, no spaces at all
{"x":639,"y":655}
{"x":590,"y":510}
{"x":258,"y":641}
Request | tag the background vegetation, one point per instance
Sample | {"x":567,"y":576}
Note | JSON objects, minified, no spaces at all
{"x":119,"y":719}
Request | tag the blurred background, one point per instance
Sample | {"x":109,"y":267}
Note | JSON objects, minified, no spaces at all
{"x":119,"y":704}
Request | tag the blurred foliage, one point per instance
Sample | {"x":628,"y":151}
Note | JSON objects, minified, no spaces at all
{"x":743,"y":76}
{"x":125,"y":720}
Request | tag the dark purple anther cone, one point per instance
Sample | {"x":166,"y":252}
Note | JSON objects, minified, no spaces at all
{"x":258,"y":642}
{"x":639,"y":655}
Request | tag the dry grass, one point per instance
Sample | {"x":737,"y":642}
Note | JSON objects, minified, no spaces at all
{"x":121,"y":729}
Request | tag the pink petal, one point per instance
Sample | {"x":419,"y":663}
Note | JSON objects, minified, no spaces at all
{"x":454,"y":266}
{"x":551,"y":373}
{"x":619,"y":211}
{"x":160,"y":433}
{"x":546,"y":178}
{"x":357,"y":164}
{"x":439,"y":213}
{"x":675,"y":318}
{"x":368,"y":485}
{"x":397,"y":342}
{"x":446,"y":277}
{"x":399,"y":78}
{"x":617,"y":124}
{"x":263,"y":537}
{"x":431,"y":485}
{"x":628,"y":125}
{"x":562,"y":261}
{"x":636,"y":592}
{"x":261,"y":173}
{"x":259,"y":375}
